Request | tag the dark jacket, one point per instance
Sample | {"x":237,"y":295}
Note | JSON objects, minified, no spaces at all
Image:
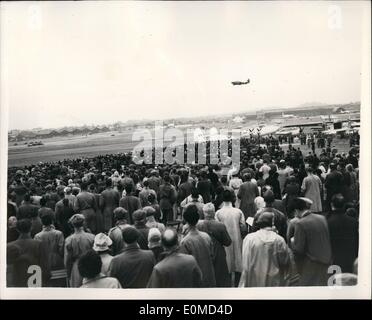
{"x":176,"y":270}
{"x":334,"y":183}
{"x":220,"y":239}
{"x":344,"y":235}
{"x":131,"y":204}
{"x":133,"y":267}
{"x":27,"y":210}
{"x":28,"y":252}
{"x":312,"y":249}
{"x":205,"y":189}
{"x":195,"y":244}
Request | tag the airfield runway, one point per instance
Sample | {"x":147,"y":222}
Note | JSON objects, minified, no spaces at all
{"x":59,"y":148}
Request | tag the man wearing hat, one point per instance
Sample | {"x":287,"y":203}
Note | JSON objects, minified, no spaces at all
{"x":110,"y":201}
{"x":248,"y":191}
{"x":102,"y":245}
{"x":311,"y":246}
{"x":139,"y":217}
{"x":151,"y":221}
{"x":220,"y":239}
{"x":154,"y":243}
{"x":76,"y":244}
{"x":86,"y":205}
{"x":280,"y":220}
{"x":175,"y":270}
{"x":27,"y":209}
{"x":265,"y":255}
{"x":334,"y":183}
{"x":121,"y":218}
{"x":144,"y":194}
{"x":154,"y":181}
{"x":132,"y":267}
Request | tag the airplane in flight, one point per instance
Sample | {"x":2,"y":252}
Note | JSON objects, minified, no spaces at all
{"x":239,"y":83}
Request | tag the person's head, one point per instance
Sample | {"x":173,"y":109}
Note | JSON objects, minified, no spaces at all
{"x":349,"y":167}
{"x":269,"y":197}
{"x":77,"y":221}
{"x":150,"y":211}
{"x":43,"y":201}
{"x":169,"y":239}
{"x":247,"y":177}
{"x":145,"y":183}
{"x":108,"y":183}
{"x":154,"y":238}
{"x":332,"y":166}
{"x":209,"y":210}
{"x":12,"y":222}
{"x":259,"y":203}
{"x":128,"y":189}
{"x":151,"y":198}
{"x":227,"y":196}
{"x":89,"y":264}
{"x":265,"y":219}
{"x":224,"y":180}
{"x":92,"y":188}
{"x":191,"y":215}
{"x":130,"y":235}
{"x":84,"y":186}
{"x":102,"y":243}
{"x":338,"y":202}
{"x":194,"y":193}
{"x":46,"y":220}
{"x":24,"y":226}
{"x":299,"y":206}
{"x":139,"y":216}
{"x":292,"y":179}
{"x":27,"y":197}
{"x":166,"y":178}
{"x":309,"y":170}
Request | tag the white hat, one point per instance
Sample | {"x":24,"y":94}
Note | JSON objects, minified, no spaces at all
{"x":101,"y":242}
{"x":154,"y":238}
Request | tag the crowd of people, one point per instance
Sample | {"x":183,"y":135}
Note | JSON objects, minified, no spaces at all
{"x":282,"y":219}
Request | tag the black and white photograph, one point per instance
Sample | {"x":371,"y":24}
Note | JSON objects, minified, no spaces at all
{"x":185,"y":149}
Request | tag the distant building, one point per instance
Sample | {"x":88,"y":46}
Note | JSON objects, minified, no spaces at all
{"x":238,"y":119}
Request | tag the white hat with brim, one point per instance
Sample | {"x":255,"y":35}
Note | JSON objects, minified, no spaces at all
{"x":102,"y":242}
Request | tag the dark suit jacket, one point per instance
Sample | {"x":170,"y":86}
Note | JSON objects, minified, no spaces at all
{"x":344,"y":234}
{"x":23,"y":253}
{"x":133,"y":267}
{"x":311,"y":239}
{"x":176,"y":270}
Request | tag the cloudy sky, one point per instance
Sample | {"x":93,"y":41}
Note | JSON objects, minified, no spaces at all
{"x":74,"y":63}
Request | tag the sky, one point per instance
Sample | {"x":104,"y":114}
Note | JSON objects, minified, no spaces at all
{"x":76,"y":63}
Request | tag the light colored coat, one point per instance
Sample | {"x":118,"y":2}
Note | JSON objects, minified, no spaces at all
{"x":311,"y":187}
{"x":265,"y":260}
{"x":233,"y":219}
{"x":75,"y":245}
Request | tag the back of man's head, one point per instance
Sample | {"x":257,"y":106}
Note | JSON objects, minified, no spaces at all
{"x":338,"y":201}
{"x":46,"y":220}
{"x":227,"y":196}
{"x":24,"y":225}
{"x":191,"y":215}
{"x":169,"y":238}
{"x":89,"y":264}
{"x":130,"y":235}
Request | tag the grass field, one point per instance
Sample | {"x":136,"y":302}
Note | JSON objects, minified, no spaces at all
{"x":60,"y":148}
